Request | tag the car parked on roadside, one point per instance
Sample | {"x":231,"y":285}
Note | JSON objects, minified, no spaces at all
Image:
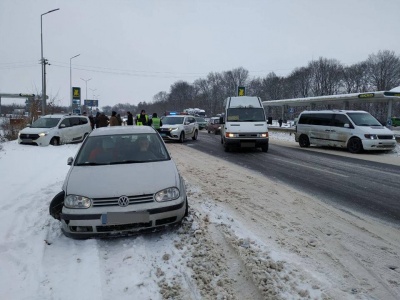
{"x":55,"y":130}
{"x":121,"y":181}
{"x":214,"y":125}
{"x":179,"y":128}
{"x":202,"y":122}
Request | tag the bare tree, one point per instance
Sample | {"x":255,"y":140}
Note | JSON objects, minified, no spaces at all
{"x":355,"y":78}
{"x":327,"y":76}
{"x":384,"y":70}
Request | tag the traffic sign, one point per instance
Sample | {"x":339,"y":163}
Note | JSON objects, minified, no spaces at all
{"x":76,"y":101}
{"x":91,"y":103}
{"x":76,"y":93}
{"x":241,"y":91}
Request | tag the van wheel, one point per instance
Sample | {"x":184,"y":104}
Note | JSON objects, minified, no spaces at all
{"x":304,"y":142}
{"x":264,"y":148}
{"x":55,"y":141}
{"x":355,"y":145}
{"x":56,"y":205}
{"x":194,"y":137}
{"x":182,"y":137}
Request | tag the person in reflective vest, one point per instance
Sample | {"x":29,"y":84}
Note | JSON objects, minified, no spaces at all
{"x":142,"y":118}
{"x":155,"y":122}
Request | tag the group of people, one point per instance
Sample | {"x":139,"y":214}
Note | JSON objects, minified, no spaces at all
{"x":142,"y":119}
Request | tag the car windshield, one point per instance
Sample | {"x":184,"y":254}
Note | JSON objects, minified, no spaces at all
{"x":121,"y":149}
{"x":45,"y":123}
{"x":172,"y":120}
{"x":201,"y":120}
{"x":245,"y":114}
{"x":363,"y":119}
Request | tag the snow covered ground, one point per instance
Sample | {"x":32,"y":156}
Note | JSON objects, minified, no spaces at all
{"x":246,"y":237}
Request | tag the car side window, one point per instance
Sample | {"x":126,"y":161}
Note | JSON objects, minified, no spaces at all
{"x":340,"y":120}
{"x":83,"y":121}
{"x":75,"y":121}
{"x":65,"y":122}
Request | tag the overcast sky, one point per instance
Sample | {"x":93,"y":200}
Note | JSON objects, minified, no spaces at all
{"x":131,"y":50}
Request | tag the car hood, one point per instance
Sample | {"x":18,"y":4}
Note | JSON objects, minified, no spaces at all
{"x":29,"y":130}
{"x":126,"y":179}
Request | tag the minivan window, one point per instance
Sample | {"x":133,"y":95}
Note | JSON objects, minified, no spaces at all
{"x":316,"y":119}
{"x":363,"y":119}
{"x":45,"y":123}
{"x":66,"y":123}
{"x":340,"y":120}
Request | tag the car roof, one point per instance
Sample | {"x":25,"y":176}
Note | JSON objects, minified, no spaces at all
{"x":122,"y":130}
{"x":337,"y":111}
{"x":61,"y":116}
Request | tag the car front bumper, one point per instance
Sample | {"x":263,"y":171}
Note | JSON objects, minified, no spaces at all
{"x":121,"y":221}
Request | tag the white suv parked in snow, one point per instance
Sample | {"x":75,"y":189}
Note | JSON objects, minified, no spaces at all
{"x":179,"y":127}
{"x":55,"y":130}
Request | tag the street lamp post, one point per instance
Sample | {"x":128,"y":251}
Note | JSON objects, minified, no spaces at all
{"x":86,"y":81}
{"x":70,"y":79}
{"x":43,"y":62}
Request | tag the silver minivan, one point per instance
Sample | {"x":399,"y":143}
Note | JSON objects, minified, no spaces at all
{"x":55,"y":130}
{"x":352,"y":129}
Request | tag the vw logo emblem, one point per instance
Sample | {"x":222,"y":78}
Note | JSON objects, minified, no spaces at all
{"x":123,"y":201}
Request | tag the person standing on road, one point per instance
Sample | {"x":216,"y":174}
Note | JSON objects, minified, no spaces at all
{"x":142,"y":118}
{"x":114,"y":119}
{"x":155,"y":122}
{"x":103,"y":120}
{"x":119,"y":119}
{"x":280,"y":122}
{"x":129,"y":121}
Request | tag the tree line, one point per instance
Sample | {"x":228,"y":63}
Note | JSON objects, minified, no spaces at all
{"x":379,"y":72}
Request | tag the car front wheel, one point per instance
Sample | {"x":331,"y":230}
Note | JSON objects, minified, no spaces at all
{"x":194,"y":137}
{"x":355,"y":145}
{"x":182,"y":137}
{"x":55,"y":141}
{"x":304,"y":142}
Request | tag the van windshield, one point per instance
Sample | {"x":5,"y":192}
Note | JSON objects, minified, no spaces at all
{"x":363,"y":119}
{"x":245,"y":115}
{"x":45,"y":123}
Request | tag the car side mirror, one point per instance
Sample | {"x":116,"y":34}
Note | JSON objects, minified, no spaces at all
{"x":346,"y":125}
{"x":221,"y":120}
{"x":187,"y":123}
{"x":62,"y":126}
{"x":70,"y":160}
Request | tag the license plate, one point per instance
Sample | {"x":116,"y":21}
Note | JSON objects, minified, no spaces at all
{"x":163,"y":134}
{"x":248,"y":144}
{"x":114,"y":218}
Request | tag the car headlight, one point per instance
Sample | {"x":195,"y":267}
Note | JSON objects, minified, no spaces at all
{"x":371,"y":136}
{"x":43,"y":133}
{"x":172,"y":129}
{"x":75,"y":201}
{"x":168,"y":194}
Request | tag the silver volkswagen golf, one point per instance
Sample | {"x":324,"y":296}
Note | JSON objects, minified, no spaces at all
{"x":121,"y":181}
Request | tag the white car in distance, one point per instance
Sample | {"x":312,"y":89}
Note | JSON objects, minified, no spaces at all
{"x":179,"y":128}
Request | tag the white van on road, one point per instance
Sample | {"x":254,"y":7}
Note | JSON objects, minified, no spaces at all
{"x":244,"y":124}
{"x":352,"y":129}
